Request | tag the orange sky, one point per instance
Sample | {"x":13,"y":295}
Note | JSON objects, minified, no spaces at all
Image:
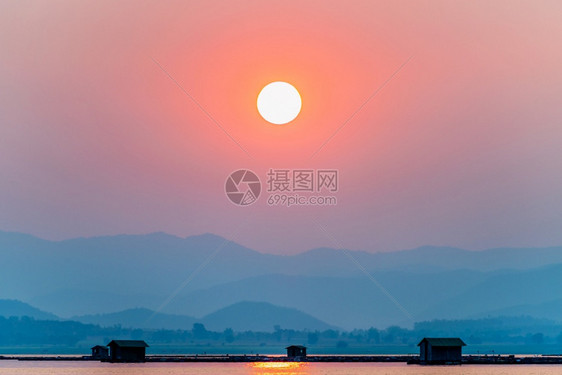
{"x":460,"y":148}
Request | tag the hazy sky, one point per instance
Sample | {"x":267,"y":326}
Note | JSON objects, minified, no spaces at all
{"x":461,"y":147}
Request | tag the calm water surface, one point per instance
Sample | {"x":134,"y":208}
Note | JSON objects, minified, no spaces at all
{"x":96,"y":368}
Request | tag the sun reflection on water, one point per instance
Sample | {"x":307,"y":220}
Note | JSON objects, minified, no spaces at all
{"x":278,"y":368}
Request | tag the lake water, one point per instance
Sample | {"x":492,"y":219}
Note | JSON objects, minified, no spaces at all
{"x":271,"y":368}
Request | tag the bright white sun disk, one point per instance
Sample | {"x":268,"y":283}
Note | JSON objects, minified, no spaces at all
{"x":279,"y":103}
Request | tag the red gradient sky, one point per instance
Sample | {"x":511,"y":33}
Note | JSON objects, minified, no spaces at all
{"x":461,"y":148}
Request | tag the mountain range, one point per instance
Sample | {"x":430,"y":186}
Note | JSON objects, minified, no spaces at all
{"x":241,"y":316}
{"x":208,"y":277}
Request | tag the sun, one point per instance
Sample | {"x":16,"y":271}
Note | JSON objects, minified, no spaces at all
{"x":279,"y":103}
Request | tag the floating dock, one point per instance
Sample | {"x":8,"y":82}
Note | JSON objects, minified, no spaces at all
{"x":410,"y":359}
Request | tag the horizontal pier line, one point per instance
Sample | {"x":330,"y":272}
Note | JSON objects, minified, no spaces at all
{"x":410,"y":359}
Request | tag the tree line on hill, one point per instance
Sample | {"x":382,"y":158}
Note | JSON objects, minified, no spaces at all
{"x":25,"y":331}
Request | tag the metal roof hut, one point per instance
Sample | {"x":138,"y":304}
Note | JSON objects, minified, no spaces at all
{"x":296,"y":351}
{"x":100,"y":352}
{"x":127,"y":350}
{"x":443,"y":350}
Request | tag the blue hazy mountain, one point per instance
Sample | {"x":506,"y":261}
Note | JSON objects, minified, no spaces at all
{"x":344,"y":302}
{"x":547,"y":310}
{"x":114,"y":273}
{"x":241,"y":316}
{"x":9,"y":308}
{"x":261,"y":317}
{"x":504,"y":293}
{"x":359,"y":302}
{"x":139,"y":318}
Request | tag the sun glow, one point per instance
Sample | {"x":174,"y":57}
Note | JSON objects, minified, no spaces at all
{"x":279,"y":368}
{"x":276,"y":364}
{"x":279,"y":103}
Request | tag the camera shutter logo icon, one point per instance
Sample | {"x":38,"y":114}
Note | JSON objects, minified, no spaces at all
{"x":243,"y":187}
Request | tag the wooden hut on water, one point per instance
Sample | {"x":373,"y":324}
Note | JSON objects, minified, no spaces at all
{"x":296,"y":351}
{"x":127,"y":350}
{"x":100,"y":352}
{"x":441,"y":350}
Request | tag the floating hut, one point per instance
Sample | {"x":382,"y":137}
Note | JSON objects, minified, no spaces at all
{"x":441,"y":350}
{"x":296,"y":351}
{"x":127,"y":350}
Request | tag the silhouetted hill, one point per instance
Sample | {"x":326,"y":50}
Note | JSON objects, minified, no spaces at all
{"x":87,"y":276}
{"x":344,"y":302}
{"x":503,"y":292}
{"x":262,"y":317}
{"x":242,"y":316}
{"x":547,"y":310}
{"x":9,"y":307}
{"x":426,"y":258}
{"x":139,"y":318}
{"x":88,"y":302}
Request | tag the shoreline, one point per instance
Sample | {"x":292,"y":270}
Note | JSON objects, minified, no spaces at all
{"x":505,"y":359}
